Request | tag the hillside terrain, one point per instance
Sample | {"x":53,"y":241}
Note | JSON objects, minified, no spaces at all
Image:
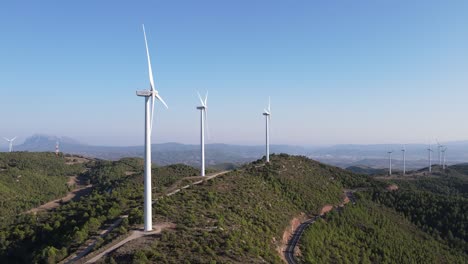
{"x":48,"y":237}
{"x":361,"y":169}
{"x":437,"y":204}
{"x":241,"y":216}
{"x":30,"y":179}
{"x":433,"y":229}
{"x":369,"y":233}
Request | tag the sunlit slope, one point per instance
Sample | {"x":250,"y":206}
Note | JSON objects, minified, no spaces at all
{"x":239,"y":217}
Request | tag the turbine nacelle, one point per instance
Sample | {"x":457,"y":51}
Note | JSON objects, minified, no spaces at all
{"x":144,"y":93}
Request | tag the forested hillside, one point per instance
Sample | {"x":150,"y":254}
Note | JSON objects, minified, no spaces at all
{"x":369,"y":233}
{"x":240,"y":216}
{"x":118,"y":190}
{"x":30,"y":179}
{"x":437,"y":204}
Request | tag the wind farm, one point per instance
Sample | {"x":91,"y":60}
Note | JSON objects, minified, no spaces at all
{"x":359,"y":154}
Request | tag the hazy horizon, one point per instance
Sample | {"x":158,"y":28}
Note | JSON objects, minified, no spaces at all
{"x":360,"y":72}
{"x":21,"y":140}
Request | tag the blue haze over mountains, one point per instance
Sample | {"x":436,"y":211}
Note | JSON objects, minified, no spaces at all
{"x":224,"y":155}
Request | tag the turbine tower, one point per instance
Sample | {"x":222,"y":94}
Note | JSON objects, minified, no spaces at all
{"x":404,"y":159}
{"x":429,"y":150}
{"x":267,"y":114}
{"x":57,"y":148}
{"x":439,"y":149}
{"x":152,"y":94}
{"x":203,"y":114}
{"x":10,"y":142}
{"x":390,"y":162}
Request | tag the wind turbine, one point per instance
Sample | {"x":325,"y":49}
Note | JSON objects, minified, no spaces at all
{"x":153,"y":94}
{"x":439,"y":149}
{"x":267,"y":114}
{"x":443,"y":154}
{"x":10,"y":142}
{"x":390,"y":162}
{"x":57,"y":148}
{"x":404,"y":159}
{"x":429,"y":150}
{"x":203,"y":112}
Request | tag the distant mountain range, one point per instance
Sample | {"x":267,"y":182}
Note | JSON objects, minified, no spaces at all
{"x":374,"y":156}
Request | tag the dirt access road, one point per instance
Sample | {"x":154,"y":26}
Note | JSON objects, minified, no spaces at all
{"x":289,"y":252}
{"x":77,"y":180}
{"x":80,"y":190}
{"x":157,"y":229}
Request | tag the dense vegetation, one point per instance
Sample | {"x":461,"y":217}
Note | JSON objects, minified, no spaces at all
{"x":30,"y":179}
{"x":369,"y":233}
{"x":438,"y":205}
{"x":51,"y":236}
{"x":238,"y":217}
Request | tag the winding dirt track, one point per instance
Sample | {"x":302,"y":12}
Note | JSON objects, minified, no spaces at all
{"x":289,"y":252}
{"x":81,"y":190}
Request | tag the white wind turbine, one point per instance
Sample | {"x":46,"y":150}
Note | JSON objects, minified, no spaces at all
{"x":390,"y":162}
{"x":149,"y":114}
{"x":203,"y":112}
{"x":10,"y":142}
{"x":403,"y":150}
{"x":439,"y":150}
{"x":267,"y":114}
{"x":444,"y":150}
{"x":429,"y":150}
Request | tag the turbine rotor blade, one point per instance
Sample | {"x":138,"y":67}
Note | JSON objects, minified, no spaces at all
{"x":149,"y":62}
{"x":269,"y":104}
{"x":161,"y":100}
{"x":152,"y":112}
{"x":201,"y":100}
{"x":206,"y":99}
{"x":206,"y":123}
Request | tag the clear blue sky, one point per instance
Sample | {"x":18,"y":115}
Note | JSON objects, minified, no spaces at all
{"x":337,"y":71}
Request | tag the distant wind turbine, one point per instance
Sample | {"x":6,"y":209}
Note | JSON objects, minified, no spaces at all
{"x":267,"y":114}
{"x":390,"y":162}
{"x":444,"y":150}
{"x":10,"y":142}
{"x":149,"y":114}
{"x":203,"y":112}
{"x":57,"y":144}
{"x":429,"y":150}
{"x":404,"y":159}
{"x":439,"y":149}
